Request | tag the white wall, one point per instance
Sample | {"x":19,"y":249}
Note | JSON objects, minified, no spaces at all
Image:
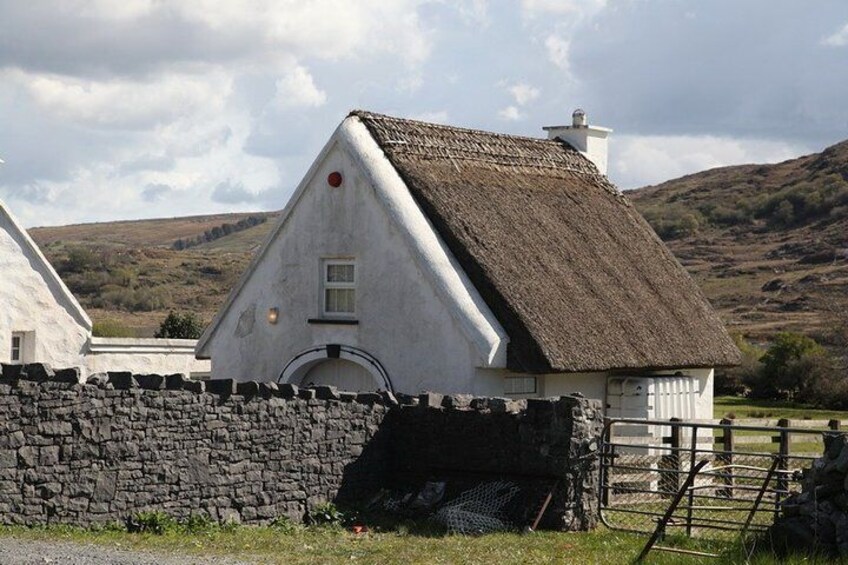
{"x":144,"y":356}
{"x":402,"y":321}
{"x":33,"y":302}
{"x":593,"y":385}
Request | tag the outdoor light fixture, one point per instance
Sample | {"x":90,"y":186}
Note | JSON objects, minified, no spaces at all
{"x":273,"y":313}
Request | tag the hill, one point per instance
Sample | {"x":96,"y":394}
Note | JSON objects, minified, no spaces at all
{"x":128,"y":275}
{"x":767,"y":243}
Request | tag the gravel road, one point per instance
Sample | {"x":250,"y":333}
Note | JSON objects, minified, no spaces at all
{"x":16,"y":551}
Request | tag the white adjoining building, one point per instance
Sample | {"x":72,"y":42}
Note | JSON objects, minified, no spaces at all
{"x":41,"y":321}
{"x":415,"y":256}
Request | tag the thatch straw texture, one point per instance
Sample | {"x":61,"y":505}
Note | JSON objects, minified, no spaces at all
{"x":577,"y":278}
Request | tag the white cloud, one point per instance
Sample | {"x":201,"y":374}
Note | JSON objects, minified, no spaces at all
{"x":637,"y":161}
{"x":297,"y":89}
{"x":121,"y":103}
{"x":838,"y":39}
{"x":523,"y":93}
{"x":561,"y":7}
{"x":437,"y":117}
{"x":510,"y":113}
{"x":558,"y":50}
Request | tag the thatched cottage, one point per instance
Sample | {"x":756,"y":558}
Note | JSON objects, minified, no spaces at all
{"x":42,"y":322}
{"x":415,"y":256}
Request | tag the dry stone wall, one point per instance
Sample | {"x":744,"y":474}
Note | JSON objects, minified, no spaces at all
{"x":250,"y":452}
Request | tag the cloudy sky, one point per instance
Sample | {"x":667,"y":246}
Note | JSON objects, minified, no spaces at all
{"x":122,"y":109}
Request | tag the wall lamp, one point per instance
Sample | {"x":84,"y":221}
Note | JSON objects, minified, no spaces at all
{"x":273,"y":314}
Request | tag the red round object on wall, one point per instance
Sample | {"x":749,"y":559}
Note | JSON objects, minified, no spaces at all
{"x":334,"y":179}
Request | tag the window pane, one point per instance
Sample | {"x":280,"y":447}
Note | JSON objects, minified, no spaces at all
{"x":340,"y":300}
{"x":520,"y":385}
{"x":340,"y":273}
{"x":16,"y":348}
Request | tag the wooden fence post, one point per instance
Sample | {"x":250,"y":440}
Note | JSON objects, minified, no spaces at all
{"x":783,"y":463}
{"x":726,"y":457}
{"x":669,"y":481}
{"x":833,"y":424}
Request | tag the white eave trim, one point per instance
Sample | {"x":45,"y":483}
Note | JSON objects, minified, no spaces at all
{"x":428,"y":249}
{"x":141,"y":346}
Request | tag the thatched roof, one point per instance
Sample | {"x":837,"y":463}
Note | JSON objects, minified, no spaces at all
{"x":577,"y":278}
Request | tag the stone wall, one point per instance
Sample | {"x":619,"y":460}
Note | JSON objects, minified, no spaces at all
{"x":250,"y":452}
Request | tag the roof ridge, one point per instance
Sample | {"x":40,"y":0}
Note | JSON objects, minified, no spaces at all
{"x":377,"y":116}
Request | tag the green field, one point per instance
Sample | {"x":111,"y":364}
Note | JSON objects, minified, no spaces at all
{"x":747,"y":408}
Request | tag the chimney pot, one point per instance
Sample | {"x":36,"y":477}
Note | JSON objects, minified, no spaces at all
{"x":579,"y":119}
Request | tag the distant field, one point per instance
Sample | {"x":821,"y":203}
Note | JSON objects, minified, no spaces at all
{"x":747,"y":408}
{"x":162,"y":232}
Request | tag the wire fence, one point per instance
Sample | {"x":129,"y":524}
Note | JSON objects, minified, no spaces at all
{"x":747,"y":471}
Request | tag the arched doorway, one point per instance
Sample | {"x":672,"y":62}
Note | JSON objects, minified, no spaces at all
{"x":342,"y":366}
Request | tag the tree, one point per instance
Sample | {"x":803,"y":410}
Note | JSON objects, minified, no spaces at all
{"x":787,"y":363}
{"x":180,"y":326}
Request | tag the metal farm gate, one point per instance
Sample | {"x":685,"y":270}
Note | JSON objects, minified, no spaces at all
{"x":729,"y":478}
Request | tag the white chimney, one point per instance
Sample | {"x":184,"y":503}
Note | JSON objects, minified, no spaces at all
{"x":591,"y":141}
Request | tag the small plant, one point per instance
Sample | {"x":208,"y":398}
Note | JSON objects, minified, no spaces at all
{"x":198,"y":523}
{"x":151,"y":522}
{"x":326,"y":514}
{"x":284,"y":524}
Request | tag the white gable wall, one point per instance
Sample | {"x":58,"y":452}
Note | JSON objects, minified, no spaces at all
{"x":402,"y":321}
{"x":33,"y":301}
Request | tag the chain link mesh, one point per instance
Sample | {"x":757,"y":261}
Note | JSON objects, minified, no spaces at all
{"x":479,"y":510}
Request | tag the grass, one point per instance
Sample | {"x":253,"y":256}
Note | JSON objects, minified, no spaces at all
{"x":747,"y":408}
{"x":334,"y":545}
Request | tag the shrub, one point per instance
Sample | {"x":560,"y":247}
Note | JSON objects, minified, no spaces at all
{"x":79,"y":260}
{"x":180,"y":326}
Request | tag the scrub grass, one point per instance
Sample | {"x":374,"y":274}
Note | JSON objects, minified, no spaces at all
{"x":330,"y":545}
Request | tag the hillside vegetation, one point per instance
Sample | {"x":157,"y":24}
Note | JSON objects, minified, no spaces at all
{"x":767,"y":243}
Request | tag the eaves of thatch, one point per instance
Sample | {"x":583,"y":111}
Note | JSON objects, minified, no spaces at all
{"x":575,"y":275}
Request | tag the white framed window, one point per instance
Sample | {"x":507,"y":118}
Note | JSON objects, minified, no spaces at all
{"x":520,"y":385}
{"x":339,"y":286}
{"x":17,"y":353}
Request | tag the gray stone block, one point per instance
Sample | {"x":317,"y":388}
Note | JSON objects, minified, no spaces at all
{"x":247,"y":388}
{"x":222,"y":387}
{"x":323,"y":392}
{"x":194,"y":386}
{"x":69,"y":375}
{"x":430,"y":400}
{"x":150,"y":382}
{"x":174,"y":381}
{"x":288,"y":390}
{"x":122,"y":380}
{"x":38,"y":372}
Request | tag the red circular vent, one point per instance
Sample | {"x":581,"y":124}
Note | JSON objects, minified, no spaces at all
{"x":334,"y":179}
